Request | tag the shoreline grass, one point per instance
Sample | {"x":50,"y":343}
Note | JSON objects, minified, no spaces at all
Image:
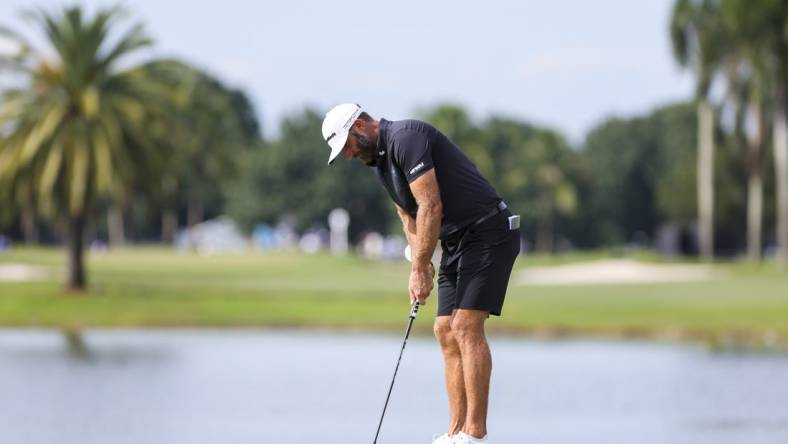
{"x":158,"y":287}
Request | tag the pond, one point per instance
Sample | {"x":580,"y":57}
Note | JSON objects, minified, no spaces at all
{"x":258,"y":386}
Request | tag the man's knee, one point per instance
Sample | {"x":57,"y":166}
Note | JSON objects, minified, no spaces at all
{"x":442,"y":329}
{"x":468,"y":325}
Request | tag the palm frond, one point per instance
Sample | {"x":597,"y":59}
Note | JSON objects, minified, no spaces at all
{"x":681,"y":30}
{"x":103,"y":155}
{"x":41,"y":133}
{"x":133,"y":39}
{"x":51,"y":172}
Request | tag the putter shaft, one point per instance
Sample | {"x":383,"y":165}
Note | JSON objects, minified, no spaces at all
{"x":413,"y":311}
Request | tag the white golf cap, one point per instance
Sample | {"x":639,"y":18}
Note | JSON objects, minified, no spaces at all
{"x":336,"y":126}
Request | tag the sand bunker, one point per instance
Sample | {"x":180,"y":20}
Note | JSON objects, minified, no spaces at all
{"x":22,"y":273}
{"x":614,"y":271}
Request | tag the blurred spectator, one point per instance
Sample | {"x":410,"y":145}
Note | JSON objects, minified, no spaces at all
{"x":372,"y":245}
{"x":264,"y":237}
{"x":338,"y":221}
{"x":98,"y":246}
{"x":285,"y":234}
{"x":394,"y":247}
{"x":314,"y":240}
{"x":668,"y":239}
{"x":218,"y":235}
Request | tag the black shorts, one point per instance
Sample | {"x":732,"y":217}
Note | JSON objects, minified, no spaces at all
{"x":476,"y":264}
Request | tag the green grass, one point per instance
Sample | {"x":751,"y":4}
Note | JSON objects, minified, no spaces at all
{"x":141,"y":287}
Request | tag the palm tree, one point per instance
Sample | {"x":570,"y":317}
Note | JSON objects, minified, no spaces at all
{"x":696,"y":37}
{"x":749,"y":103}
{"x":75,"y":130}
{"x":762,"y":28}
{"x":781,"y":170}
{"x":775,"y":15}
{"x":749,"y":88}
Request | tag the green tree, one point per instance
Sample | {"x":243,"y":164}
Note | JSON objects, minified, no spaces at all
{"x":750,"y":84}
{"x":289,"y":176}
{"x":528,"y":165}
{"x":748,"y":102}
{"x":75,"y":130}
{"x":674,"y":133}
{"x":622,"y":156}
{"x":640,"y":170}
{"x":697,"y":38}
{"x":762,"y":29}
{"x":453,"y":121}
{"x":211,"y":127}
{"x":530,"y":171}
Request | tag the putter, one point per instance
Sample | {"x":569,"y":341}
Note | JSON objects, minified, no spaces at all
{"x":413,"y":311}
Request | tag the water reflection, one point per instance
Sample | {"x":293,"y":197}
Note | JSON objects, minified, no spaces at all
{"x":206,"y":386}
{"x":71,"y":346}
{"x":75,"y":344}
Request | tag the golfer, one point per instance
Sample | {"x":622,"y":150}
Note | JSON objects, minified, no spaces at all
{"x":440,"y":194}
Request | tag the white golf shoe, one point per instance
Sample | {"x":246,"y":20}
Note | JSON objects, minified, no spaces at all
{"x":464,"y":438}
{"x":443,"y":439}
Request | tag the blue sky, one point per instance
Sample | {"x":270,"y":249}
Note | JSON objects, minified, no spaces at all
{"x":566,"y":64}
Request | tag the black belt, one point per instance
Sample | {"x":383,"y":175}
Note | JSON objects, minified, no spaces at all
{"x":500,"y":207}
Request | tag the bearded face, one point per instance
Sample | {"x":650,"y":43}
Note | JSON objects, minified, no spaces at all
{"x":362,"y":147}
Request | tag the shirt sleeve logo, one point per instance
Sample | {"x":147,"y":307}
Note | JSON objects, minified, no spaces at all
{"x":416,"y":168}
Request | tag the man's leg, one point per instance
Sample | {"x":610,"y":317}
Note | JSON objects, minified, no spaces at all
{"x":468,"y":329}
{"x":455,"y":383}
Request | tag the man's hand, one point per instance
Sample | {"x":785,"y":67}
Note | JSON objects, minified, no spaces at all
{"x":421,"y":283}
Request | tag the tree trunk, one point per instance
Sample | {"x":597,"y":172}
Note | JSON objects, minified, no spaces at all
{"x":545,"y":232}
{"x":194,"y":212}
{"x":754,"y":215}
{"x":169,"y":223}
{"x":706,"y":180}
{"x":544,"y":237}
{"x":29,"y":228}
{"x":116,"y":226}
{"x":755,"y":185}
{"x":169,"y":217}
{"x":76,"y":266}
{"x":781,"y":175}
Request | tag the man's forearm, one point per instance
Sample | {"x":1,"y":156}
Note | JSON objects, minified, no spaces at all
{"x":428,"y":226}
{"x":409,"y":227}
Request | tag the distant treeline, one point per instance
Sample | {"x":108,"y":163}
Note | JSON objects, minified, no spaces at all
{"x":631,"y":179}
{"x":92,"y":151}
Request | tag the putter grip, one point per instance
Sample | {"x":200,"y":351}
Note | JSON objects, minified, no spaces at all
{"x":414,"y":310}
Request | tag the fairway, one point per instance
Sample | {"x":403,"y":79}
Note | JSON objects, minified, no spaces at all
{"x":139,"y":287}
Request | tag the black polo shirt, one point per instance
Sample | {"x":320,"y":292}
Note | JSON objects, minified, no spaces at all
{"x":406,"y":149}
